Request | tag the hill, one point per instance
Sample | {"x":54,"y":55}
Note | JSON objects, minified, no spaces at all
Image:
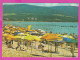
{"x":24,"y":12}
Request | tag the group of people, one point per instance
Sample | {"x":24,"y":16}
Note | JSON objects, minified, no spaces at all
{"x":10,"y":31}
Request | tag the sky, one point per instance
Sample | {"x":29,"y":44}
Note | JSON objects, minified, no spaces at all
{"x":46,"y":4}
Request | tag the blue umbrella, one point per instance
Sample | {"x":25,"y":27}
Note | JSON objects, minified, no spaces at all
{"x":66,"y":39}
{"x":17,"y":33}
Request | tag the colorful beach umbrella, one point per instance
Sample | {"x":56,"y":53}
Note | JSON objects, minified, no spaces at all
{"x":9,"y":37}
{"x":29,"y":27}
{"x":7,"y":31}
{"x":4,"y":34}
{"x":71,"y":37}
{"x":73,"y":41}
{"x":66,"y":39}
{"x":36,"y":38}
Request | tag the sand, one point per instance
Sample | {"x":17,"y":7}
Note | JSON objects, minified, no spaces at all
{"x":9,"y":52}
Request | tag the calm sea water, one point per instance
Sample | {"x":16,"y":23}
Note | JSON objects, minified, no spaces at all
{"x":62,"y":27}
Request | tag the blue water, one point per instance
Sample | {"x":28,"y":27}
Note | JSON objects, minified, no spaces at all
{"x":62,"y":27}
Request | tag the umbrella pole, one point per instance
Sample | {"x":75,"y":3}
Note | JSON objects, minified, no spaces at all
{"x":48,"y":46}
{"x":23,"y":44}
{"x":75,"y":45}
{"x":17,"y":44}
{"x":55,"y":47}
{"x":35,"y":43}
{"x":31,"y":47}
{"x":72,"y":49}
{"x":51,"y":50}
{"x":28,"y":44}
{"x":12,"y":41}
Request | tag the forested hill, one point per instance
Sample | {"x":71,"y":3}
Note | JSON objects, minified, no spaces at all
{"x":24,"y":12}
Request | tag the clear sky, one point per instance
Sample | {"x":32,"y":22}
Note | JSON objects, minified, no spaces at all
{"x":46,"y":4}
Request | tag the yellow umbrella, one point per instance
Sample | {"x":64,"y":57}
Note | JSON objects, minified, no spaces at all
{"x":36,"y":38}
{"x":29,"y":27}
{"x":7,"y":31}
{"x":46,"y":34}
{"x":70,"y":37}
{"x":12,"y":31}
{"x":4,"y":34}
{"x":17,"y":37}
{"x":6,"y":27}
{"x":59,"y":35}
{"x":59,"y":39}
{"x":9,"y":37}
{"x":29,"y":37}
{"x":25,"y":34}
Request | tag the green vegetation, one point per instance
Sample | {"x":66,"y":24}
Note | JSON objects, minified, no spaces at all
{"x":22,"y":12}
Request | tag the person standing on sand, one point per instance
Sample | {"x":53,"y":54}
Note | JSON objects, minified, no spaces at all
{"x":42,"y":47}
{"x":8,"y":40}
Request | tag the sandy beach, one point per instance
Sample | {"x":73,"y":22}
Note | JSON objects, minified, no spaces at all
{"x":10,"y":52}
{"x":40,"y":30}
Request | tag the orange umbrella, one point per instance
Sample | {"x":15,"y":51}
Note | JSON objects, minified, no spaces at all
{"x":50,"y":37}
{"x":7,"y":31}
{"x":9,"y":37}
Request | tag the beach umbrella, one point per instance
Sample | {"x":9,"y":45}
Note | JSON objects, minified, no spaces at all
{"x":23,"y":37}
{"x":18,"y":39}
{"x":58,"y":39}
{"x":16,"y":33}
{"x":59,"y":35}
{"x":17,"y":36}
{"x":45,"y":35}
{"x":66,"y":39}
{"x":52,"y":37}
{"x":36,"y":38}
{"x":24,"y":34}
{"x":65,"y":36}
{"x":30,"y":39}
{"x":4,"y":34}
{"x":72,"y":42}
{"x":71,"y":37}
{"x":56,"y":44}
{"x":6,"y":27}
{"x":6,"y":31}
{"x":29,"y":27}
{"x":12,"y":32}
{"x":8,"y":38}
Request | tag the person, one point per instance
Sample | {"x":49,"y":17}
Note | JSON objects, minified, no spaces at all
{"x":42,"y":47}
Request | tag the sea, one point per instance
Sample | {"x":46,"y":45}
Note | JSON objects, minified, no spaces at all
{"x":59,"y":27}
